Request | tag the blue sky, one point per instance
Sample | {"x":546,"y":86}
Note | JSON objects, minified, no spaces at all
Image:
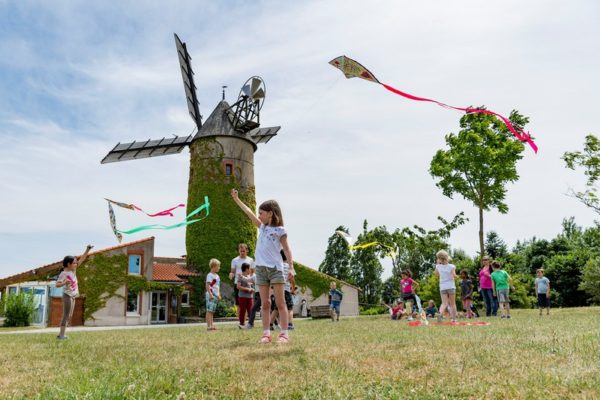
{"x":76,"y":78}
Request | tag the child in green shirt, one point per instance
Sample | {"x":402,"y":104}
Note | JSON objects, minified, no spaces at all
{"x":501,"y":282}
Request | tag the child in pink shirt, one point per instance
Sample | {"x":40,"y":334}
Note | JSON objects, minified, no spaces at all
{"x":408,"y":286}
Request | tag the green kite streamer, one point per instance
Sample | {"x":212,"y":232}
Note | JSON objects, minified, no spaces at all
{"x":187,"y":221}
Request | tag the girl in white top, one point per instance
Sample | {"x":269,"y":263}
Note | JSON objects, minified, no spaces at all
{"x":272,"y":239}
{"x":447,"y":274}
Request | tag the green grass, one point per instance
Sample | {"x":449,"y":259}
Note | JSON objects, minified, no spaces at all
{"x":528,"y":357}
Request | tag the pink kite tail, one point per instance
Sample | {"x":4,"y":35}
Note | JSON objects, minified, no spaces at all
{"x":161,"y":213}
{"x":522,"y":136}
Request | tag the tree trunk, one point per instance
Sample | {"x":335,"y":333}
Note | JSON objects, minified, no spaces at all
{"x":481,"y":247}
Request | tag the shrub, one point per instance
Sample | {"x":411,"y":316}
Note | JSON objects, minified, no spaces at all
{"x":373,"y":310}
{"x":19,"y":309}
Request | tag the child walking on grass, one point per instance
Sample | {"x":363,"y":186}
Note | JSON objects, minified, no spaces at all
{"x":447,"y":274}
{"x":501,"y":282}
{"x":542,"y":289}
{"x":272,"y":239}
{"x":466,"y":292}
{"x":67,"y":279}
{"x":245,"y":286}
{"x":213,"y":292}
{"x":408,"y":291}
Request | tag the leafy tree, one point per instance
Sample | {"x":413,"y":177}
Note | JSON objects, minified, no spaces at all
{"x":481,"y":159}
{"x":495,"y":246}
{"x":565,"y":274}
{"x":366,"y":269}
{"x":590,"y":280}
{"x":414,"y":248}
{"x":391,"y":289}
{"x":589,"y":160}
{"x":337,"y":257}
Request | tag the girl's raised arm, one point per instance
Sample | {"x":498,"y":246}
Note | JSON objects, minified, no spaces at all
{"x":83,"y":257}
{"x":245,"y":208}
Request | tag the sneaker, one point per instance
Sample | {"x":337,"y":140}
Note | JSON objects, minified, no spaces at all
{"x":248,"y":326}
{"x":62,"y":337}
{"x":410,"y":318}
{"x":283,"y":338}
{"x":502,"y":316}
{"x":508,"y":317}
{"x":242,"y":326}
{"x":265,"y":339}
{"x":290,"y":327}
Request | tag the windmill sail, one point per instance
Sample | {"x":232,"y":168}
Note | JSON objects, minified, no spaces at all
{"x":150,"y":148}
{"x":185,"y":61}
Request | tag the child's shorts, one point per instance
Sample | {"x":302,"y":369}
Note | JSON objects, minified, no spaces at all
{"x":335,"y":305}
{"x":408,"y":296}
{"x":447,"y":291}
{"x":502,"y":295}
{"x":211,"y":305}
{"x":543,"y":300}
{"x":268,"y":276}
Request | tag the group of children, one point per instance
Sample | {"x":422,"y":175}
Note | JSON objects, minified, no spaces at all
{"x":495,"y":285}
{"x":274,"y":273}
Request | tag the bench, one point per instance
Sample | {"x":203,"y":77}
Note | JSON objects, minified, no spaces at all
{"x":320,"y":312}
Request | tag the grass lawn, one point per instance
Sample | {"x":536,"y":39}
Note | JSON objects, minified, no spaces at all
{"x":528,"y":357}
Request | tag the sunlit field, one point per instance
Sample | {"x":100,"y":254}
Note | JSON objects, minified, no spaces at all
{"x":529,"y":357}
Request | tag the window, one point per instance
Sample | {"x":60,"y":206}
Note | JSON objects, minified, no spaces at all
{"x":12,"y":290}
{"x":56,"y":291}
{"x":133,"y":301}
{"x":185,"y":298}
{"x":228,"y":169}
{"x":135,"y":267}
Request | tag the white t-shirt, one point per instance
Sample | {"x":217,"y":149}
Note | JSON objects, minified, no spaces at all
{"x":71,"y":288}
{"x":269,"y":246}
{"x":237,"y":264}
{"x":215,"y":283}
{"x":446,"y":279}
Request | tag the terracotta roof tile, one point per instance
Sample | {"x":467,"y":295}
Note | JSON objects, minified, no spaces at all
{"x":171,"y":272}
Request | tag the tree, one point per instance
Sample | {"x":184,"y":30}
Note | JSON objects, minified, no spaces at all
{"x":414,"y":248}
{"x":590,"y":280}
{"x":481,"y":159}
{"x":589,"y":160}
{"x":366,"y":270}
{"x":337,"y":257}
{"x":495,"y":246}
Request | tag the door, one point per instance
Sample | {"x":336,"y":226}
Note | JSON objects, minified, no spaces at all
{"x":158,"y":311}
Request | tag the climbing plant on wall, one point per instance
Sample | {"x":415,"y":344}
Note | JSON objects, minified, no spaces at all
{"x":218,"y":235}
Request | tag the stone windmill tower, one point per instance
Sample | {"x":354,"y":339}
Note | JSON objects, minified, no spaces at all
{"x":221,"y":158}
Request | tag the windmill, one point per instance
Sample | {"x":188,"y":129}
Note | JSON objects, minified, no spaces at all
{"x":221,"y":157}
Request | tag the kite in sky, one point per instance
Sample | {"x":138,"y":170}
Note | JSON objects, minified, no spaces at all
{"x":352,"y":246}
{"x":119,"y":234}
{"x":353,"y":69}
{"x":134,"y":207}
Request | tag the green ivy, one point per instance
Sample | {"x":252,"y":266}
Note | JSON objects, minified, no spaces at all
{"x":138,"y":284}
{"x":99,"y":279}
{"x":218,"y":235}
{"x":101,"y":276}
{"x":317,"y":282}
